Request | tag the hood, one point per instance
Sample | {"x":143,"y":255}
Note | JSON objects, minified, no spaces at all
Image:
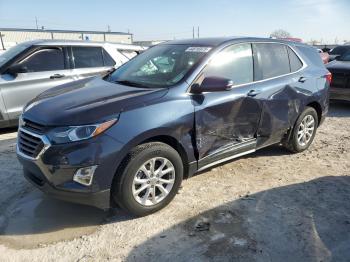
{"x":86,"y":101}
{"x":338,"y":66}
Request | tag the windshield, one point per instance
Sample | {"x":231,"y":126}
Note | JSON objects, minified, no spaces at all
{"x":12,"y":52}
{"x":159,"y":66}
{"x":345,"y":57}
{"x":339,"y":50}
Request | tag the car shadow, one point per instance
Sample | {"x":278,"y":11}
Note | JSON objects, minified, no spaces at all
{"x":339,"y":109}
{"x":7,"y":136}
{"x":36,"y":218}
{"x":301,"y":222}
{"x":8,"y":130}
{"x":308,"y":221}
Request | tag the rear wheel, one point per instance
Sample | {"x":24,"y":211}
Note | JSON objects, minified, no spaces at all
{"x":148,"y":179}
{"x":304,"y":131}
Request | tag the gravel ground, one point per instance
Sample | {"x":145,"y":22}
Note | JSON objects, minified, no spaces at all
{"x":268,"y":206}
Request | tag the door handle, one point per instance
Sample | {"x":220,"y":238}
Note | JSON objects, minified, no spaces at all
{"x":253,"y":92}
{"x":302,"y":79}
{"x":57,"y":76}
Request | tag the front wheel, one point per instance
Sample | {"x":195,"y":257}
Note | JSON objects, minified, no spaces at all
{"x":148,"y":179}
{"x":304,"y":131}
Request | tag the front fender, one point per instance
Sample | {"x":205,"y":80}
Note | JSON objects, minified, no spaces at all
{"x":173,"y":118}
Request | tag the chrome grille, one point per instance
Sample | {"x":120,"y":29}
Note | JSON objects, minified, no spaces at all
{"x":37,"y":128}
{"x":29,"y":144}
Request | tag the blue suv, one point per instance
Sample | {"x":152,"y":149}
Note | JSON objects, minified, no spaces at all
{"x":129,"y":138}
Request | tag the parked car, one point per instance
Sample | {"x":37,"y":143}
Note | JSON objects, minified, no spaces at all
{"x":340,"y":69}
{"x":324,"y":56}
{"x":30,"y":68}
{"x":176,"y":109}
{"x":338,"y":51}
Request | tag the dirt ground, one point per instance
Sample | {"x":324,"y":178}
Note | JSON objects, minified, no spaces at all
{"x":268,"y":206}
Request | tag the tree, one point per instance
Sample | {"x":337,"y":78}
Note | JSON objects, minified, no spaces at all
{"x":280,"y":33}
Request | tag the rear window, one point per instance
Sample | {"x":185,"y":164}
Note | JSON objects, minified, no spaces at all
{"x":272,"y":60}
{"x":312,"y":55}
{"x":85,"y":57}
{"x":46,"y":59}
{"x":108,"y":60}
{"x":295,"y":63}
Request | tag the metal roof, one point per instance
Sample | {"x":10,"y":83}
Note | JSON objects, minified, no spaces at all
{"x":49,"y":42}
{"x":216,"y":41}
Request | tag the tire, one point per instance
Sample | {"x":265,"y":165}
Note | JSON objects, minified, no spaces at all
{"x":129,"y":175}
{"x":296,"y":144}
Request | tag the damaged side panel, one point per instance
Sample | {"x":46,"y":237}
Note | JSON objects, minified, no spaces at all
{"x":283,"y":101}
{"x":224,"y":120}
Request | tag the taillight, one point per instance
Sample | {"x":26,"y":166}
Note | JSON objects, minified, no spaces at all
{"x":329,"y":78}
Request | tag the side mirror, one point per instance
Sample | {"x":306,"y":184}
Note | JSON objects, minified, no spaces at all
{"x":16,"y":69}
{"x":212,"y":84}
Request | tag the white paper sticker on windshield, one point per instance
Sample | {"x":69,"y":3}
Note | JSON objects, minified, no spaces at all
{"x":198,"y":49}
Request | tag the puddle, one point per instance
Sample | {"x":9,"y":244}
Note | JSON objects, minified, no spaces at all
{"x":37,"y":219}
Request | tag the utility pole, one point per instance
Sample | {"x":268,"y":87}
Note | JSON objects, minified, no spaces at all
{"x":2,"y":42}
{"x":108,"y":28}
{"x":198,"y":32}
{"x":36,"y":23}
{"x":193,"y":32}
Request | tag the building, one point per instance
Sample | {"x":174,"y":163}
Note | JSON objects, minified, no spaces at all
{"x":12,"y":36}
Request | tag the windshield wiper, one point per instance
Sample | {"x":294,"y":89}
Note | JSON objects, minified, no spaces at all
{"x":129,"y":83}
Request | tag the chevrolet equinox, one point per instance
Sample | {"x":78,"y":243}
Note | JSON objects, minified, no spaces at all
{"x":129,"y":138}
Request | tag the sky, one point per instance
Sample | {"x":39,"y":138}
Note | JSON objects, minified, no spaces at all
{"x":322,"y":20}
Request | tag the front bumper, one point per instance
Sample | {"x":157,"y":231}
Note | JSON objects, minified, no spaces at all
{"x":53,"y":170}
{"x":99,"y":199}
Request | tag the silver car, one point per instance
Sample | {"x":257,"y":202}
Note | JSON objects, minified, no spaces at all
{"x":30,"y":68}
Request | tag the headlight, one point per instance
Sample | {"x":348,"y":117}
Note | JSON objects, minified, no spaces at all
{"x":76,"y":133}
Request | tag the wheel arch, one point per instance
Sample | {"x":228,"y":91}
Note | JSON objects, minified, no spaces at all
{"x":315,"y":105}
{"x":158,"y":135}
{"x":175,"y":144}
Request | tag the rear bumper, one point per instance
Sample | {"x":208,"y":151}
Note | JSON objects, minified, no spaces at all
{"x":337,"y":93}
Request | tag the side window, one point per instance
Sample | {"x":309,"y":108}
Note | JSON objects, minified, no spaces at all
{"x":234,"y":62}
{"x":47,"y":59}
{"x":108,"y":60}
{"x":295,"y":63}
{"x":272,"y":60}
{"x":86,"y":56}
{"x":312,"y":55}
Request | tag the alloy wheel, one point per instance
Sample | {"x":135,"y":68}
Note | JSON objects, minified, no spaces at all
{"x":153,"y":181}
{"x":306,"y":130}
